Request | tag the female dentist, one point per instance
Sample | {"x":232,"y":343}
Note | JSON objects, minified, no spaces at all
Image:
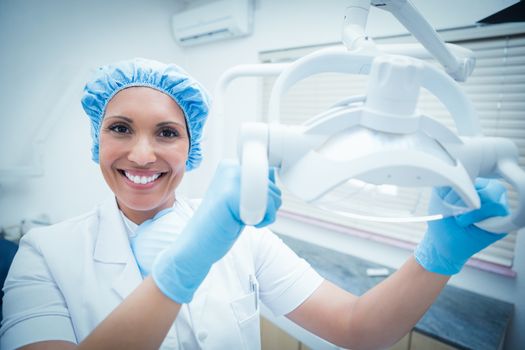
{"x":150,"y":269}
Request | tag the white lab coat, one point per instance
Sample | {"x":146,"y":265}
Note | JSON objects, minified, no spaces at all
{"x":68,"y":277}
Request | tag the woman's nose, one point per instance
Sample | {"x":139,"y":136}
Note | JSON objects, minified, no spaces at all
{"x":142,"y":152}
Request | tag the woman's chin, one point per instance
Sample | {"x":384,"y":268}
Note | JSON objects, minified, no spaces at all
{"x":144,"y":205}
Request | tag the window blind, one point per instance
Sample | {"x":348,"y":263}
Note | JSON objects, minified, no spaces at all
{"x":496,"y":88}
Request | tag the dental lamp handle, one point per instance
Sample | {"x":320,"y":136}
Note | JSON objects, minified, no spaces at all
{"x":495,"y":157}
{"x":253,"y":154}
{"x":509,"y":170}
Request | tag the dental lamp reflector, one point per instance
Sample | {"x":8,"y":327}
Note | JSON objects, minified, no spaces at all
{"x":358,"y":156}
{"x":368,"y":151}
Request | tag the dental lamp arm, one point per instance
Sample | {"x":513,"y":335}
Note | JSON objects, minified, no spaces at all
{"x":458,"y":62}
{"x":411,"y":18}
{"x":354,"y":34}
{"x":416,"y":50}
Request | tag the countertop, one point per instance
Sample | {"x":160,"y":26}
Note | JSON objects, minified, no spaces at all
{"x":461,"y":318}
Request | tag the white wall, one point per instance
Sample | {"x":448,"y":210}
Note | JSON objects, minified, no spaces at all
{"x":47,"y":49}
{"x":46,"y":45}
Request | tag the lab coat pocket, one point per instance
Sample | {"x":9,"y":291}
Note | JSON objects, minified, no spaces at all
{"x":246,"y":311}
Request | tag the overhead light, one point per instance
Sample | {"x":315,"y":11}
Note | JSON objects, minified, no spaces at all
{"x":379,"y":139}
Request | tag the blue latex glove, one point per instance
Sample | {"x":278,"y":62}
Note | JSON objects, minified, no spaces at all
{"x":210,"y":233}
{"x":450,"y":242}
{"x":155,"y":235}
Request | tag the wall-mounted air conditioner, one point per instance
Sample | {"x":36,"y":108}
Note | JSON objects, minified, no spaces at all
{"x":217,"y":20}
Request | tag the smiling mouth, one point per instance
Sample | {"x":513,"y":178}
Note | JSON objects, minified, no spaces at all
{"x":141,"y":180}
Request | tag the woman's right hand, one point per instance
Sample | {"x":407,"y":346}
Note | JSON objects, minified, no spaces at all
{"x":209,"y":235}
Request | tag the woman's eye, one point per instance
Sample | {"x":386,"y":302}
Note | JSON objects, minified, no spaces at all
{"x":119,"y":129}
{"x":169,"y":133}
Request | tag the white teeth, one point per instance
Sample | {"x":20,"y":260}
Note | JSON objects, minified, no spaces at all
{"x":141,"y":179}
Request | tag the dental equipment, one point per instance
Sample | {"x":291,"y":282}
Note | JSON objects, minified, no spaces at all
{"x":380,"y":138}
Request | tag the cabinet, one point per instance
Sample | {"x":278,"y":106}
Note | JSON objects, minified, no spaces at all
{"x":420,"y":341}
{"x":272,"y":337}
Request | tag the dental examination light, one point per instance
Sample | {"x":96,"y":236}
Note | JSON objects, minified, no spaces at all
{"x":378,"y":141}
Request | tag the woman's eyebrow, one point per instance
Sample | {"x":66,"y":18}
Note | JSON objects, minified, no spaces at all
{"x":170,"y":123}
{"x":129,"y":120}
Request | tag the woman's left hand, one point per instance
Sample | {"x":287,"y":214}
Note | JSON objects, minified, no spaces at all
{"x":450,"y":242}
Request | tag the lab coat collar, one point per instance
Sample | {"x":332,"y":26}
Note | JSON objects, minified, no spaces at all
{"x":112,"y":247}
{"x":112,"y":244}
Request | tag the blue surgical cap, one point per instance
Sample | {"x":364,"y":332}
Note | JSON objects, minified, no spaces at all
{"x":170,"y":79}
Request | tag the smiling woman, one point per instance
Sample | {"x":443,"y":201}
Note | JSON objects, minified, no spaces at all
{"x":143,"y":150}
{"x":149,"y":269}
{"x":147,"y":120}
